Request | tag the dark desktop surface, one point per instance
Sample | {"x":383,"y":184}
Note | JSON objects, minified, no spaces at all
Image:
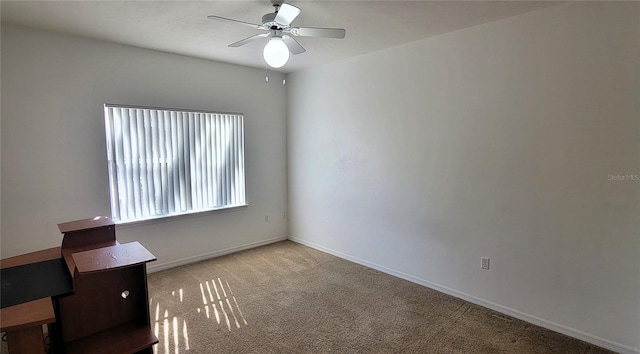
{"x":34,"y":281}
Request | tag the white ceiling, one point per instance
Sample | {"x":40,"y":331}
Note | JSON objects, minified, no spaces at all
{"x":182,"y":27}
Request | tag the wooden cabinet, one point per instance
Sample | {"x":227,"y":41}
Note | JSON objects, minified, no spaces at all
{"x":23,"y":322}
{"x":109,"y":310}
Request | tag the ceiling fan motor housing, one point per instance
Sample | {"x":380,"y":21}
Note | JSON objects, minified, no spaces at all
{"x":268,"y":21}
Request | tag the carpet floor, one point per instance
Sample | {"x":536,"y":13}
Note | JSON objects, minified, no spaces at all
{"x":289,"y":298}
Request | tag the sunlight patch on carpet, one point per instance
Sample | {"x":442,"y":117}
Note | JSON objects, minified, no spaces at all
{"x":224,"y":300}
{"x":171,"y":311}
{"x":175,"y":335}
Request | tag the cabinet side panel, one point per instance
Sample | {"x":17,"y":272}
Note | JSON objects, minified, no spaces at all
{"x":104,"y":300}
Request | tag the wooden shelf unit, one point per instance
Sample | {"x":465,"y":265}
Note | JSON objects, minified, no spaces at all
{"x":87,"y":234}
{"x":127,"y":338}
{"x":23,"y":322}
{"x":109,"y":310}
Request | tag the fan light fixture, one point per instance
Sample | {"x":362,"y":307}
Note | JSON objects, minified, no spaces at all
{"x":279,"y":31}
{"x":276,"y":52}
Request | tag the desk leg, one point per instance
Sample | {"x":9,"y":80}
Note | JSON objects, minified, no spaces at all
{"x":25,"y":341}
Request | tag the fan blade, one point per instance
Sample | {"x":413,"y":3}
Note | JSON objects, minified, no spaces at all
{"x":318,"y":32}
{"x":249,"y":39}
{"x":253,"y":25}
{"x":286,"y":14}
{"x":293,"y":45}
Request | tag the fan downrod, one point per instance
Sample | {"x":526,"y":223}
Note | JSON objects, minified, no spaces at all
{"x":277,"y":3}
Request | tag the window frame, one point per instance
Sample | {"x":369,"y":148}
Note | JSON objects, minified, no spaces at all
{"x":231,"y":133}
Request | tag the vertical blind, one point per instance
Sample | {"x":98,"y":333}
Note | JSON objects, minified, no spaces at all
{"x":166,"y":162}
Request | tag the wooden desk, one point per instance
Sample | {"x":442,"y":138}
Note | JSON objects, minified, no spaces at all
{"x":120,"y":324}
{"x":23,"y":322}
{"x":109,"y":310}
{"x":104,"y":309}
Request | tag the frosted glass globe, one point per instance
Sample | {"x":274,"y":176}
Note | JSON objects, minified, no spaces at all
{"x":276,"y":53}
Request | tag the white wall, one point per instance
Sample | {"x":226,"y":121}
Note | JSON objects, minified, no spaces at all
{"x":54,"y":165}
{"x":496,"y":141}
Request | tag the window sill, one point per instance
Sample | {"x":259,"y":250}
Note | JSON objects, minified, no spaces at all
{"x":168,"y":218}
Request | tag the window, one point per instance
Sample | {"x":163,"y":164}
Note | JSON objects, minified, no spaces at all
{"x":166,"y":162}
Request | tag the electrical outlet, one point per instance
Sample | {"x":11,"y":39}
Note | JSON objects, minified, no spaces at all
{"x":484,"y":263}
{"x":266,"y":218}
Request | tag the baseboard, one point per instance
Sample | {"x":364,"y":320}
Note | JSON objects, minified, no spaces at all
{"x":156,"y":267}
{"x":586,"y":337}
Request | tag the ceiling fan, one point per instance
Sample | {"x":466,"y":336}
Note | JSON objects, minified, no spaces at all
{"x":280,"y":32}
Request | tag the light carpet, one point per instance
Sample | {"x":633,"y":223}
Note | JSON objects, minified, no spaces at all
{"x":289,"y":298}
